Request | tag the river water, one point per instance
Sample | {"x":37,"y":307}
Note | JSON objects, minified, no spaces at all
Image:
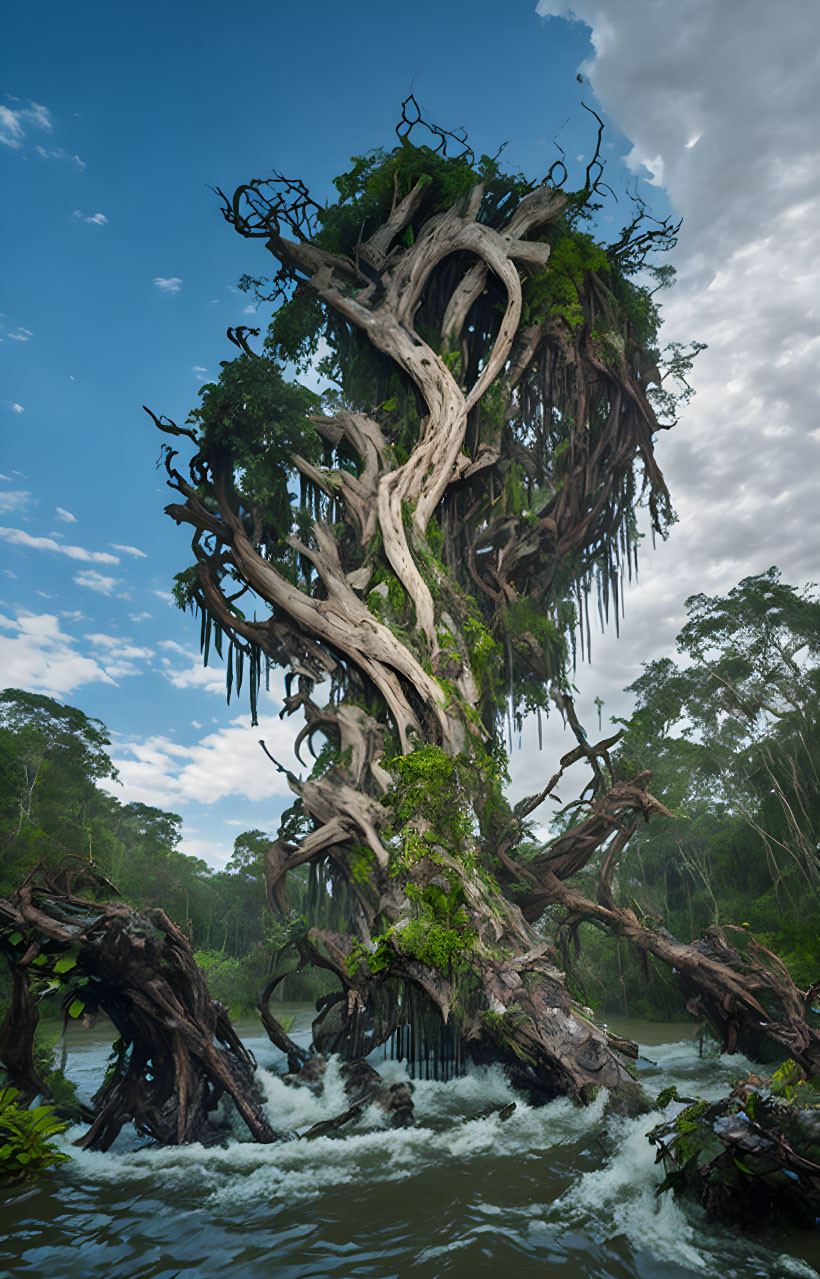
{"x":555,"y":1190}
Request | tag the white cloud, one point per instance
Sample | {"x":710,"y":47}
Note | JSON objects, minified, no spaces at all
{"x":123,"y":648}
{"x":21,"y":335}
{"x":164,"y":595}
{"x":95,"y":581}
{"x":723,"y":114}
{"x":199,"y":372}
{"x":140,"y":617}
{"x":13,"y":123}
{"x":117,"y":656}
{"x":227,"y":762}
{"x":96,"y":219}
{"x":211,"y":679}
{"x":129,"y":550}
{"x":173,"y":284}
{"x":14,"y":500}
{"x":17,"y":408}
{"x":39,"y":656}
{"x":66,"y":516}
{"x":59,"y":153}
{"x":18,"y":537}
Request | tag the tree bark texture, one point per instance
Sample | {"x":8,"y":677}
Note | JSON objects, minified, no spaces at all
{"x":177,"y":1053}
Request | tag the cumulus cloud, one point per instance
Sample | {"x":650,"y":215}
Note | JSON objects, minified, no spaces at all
{"x":65,"y":516}
{"x":129,"y":550}
{"x":14,"y":122}
{"x":94,"y":581}
{"x":14,"y":500}
{"x":140,"y":617}
{"x":721,"y":112}
{"x":200,"y":372}
{"x":229,"y":761}
{"x":211,"y":679}
{"x":17,"y":408}
{"x":99,"y":639}
{"x":36,"y":654}
{"x":18,"y":537}
{"x":118,"y":656}
{"x":172,"y":284}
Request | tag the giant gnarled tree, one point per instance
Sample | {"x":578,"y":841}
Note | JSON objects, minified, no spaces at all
{"x":418,"y":557}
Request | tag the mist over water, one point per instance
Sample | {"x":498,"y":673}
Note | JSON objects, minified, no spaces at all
{"x":552,"y":1190}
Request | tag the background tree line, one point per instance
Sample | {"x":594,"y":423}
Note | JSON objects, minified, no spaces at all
{"x":731,"y":734}
{"x":53,"y":759}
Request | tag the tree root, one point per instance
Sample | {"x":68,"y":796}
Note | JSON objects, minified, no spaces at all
{"x":177,"y":1054}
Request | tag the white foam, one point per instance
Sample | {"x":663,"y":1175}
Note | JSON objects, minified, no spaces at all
{"x":616,"y":1199}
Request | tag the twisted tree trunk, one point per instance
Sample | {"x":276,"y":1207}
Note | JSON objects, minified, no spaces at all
{"x":480,"y":470}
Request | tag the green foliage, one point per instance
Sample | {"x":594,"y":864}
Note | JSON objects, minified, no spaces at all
{"x":260,"y":420}
{"x":427,"y":782}
{"x":557,"y":290}
{"x":25,"y":1146}
{"x":234,"y":980}
{"x":745,"y":1156}
{"x":62,"y":1091}
{"x":437,"y":932}
{"x":731,"y":735}
{"x":434,"y":944}
{"x":367,"y":190}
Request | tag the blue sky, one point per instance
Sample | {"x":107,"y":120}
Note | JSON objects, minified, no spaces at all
{"x":121,"y":281}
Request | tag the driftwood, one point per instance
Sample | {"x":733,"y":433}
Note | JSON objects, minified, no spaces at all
{"x":177,"y":1054}
{"x":364,"y":1087}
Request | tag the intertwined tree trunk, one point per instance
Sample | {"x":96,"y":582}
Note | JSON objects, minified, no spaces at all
{"x":491,"y":437}
{"x":413,"y":836}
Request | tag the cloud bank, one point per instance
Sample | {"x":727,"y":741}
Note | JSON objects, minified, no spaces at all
{"x":720,"y":103}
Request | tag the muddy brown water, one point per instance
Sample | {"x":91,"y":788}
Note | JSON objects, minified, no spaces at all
{"x":554,"y":1191}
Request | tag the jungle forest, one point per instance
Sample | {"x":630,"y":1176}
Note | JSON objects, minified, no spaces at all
{"x":425,"y":552}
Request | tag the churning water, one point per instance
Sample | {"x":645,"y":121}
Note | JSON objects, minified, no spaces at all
{"x":555,"y":1191}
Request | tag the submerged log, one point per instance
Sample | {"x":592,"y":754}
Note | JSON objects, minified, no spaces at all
{"x":364,"y":1087}
{"x":177,"y":1054}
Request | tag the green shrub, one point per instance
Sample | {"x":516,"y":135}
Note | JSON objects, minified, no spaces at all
{"x":25,"y":1149}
